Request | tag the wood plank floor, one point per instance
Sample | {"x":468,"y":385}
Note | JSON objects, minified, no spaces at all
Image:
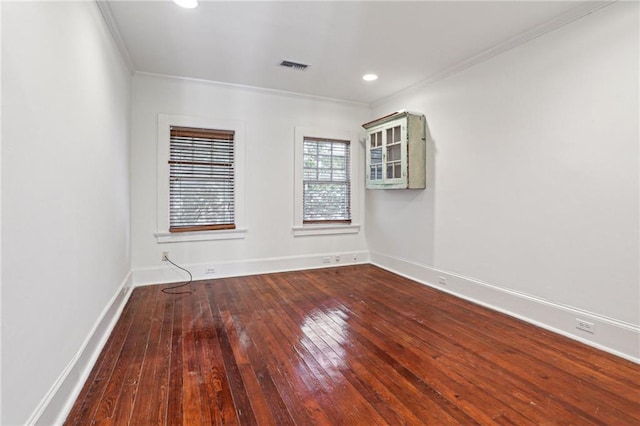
{"x":343,"y":346}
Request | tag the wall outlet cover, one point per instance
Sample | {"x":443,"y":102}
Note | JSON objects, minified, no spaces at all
{"x":587,"y":326}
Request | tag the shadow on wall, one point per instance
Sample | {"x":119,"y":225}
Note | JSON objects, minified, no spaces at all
{"x":392,"y":227}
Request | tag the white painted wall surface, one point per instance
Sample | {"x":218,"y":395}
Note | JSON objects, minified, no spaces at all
{"x":533,"y":181}
{"x":65,"y":191}
{"x":269,"y":119}
{"x":0,"y":212}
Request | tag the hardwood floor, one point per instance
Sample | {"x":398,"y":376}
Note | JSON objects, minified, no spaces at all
{"x":343,"y":346}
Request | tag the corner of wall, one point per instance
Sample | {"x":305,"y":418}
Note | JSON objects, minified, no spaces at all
{"x":615,"y":337}
{"x":55,"y":406}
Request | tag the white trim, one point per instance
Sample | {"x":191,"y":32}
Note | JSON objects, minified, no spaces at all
{"x":580,"y":11}
{"x":57,"y":403}
{"x":299,"y":229}
{"x":583,"y":9}
{"x":613,"y":336}
{"x":165,"y":121}
{"x":308,"y":230}
{"x":223,"y":234}
{"x":1,"y":115}
{"x":110,"y":22}
{"x":169,"y":274}
{"x":255,"y":89}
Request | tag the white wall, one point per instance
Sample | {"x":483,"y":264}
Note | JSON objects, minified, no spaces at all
{"x":533,"y":186}
{"x":534,"y":182}
{"x":65,"y":192}
{"x":269,"y":118}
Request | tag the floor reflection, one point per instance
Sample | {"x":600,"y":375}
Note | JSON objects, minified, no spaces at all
{"x":324,"y":335}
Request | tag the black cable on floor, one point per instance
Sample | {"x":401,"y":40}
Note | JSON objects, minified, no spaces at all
{"x":164,"y":290}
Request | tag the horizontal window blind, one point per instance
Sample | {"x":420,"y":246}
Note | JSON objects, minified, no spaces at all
{"x":326,"y":181}
{"x":201,"y":179}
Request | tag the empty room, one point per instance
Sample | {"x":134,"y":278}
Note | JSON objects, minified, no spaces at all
{"x":315,"y":212}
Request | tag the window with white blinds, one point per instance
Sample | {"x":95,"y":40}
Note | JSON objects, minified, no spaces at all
{"x":201,"y":179}
{"x":326,"y":181}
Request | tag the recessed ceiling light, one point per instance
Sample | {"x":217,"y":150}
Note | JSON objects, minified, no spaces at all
{"x":369,"y":77}
{"x":187,"y":4}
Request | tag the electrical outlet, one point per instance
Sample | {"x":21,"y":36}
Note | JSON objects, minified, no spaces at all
{"x":326,"y":259}
{"x":165,"y":255}
{"x":337,"y":258}
{"x":587,"y":326}
{"x":442,"y":280}
{"x":209,"y":270}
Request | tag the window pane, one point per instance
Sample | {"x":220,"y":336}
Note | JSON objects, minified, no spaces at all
{"x":393,"y":152}
{"x":324,"y":174}
{"x":396,"y":134}
{"x":324,"y":148}
{"x":326,"y":201}
{"x":311,"y":149}
{"x":324,"y":162}
{"x":310,"y":162}
{"x":310,"y":174}
{"x":376,"y":156}
{"x":339,"y":175}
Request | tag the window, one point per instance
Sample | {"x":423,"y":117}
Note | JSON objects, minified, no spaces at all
{"x":326,"y":181}
{"x":324,"y":176}
{"x":201,"y":179}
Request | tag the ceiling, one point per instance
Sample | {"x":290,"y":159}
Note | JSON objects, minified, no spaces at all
{"x":404,"y":43}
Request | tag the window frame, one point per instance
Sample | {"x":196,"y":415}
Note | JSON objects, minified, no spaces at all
{"x":329,"y":228}
{"x":165,"y":121}
{"x":346,"y":183}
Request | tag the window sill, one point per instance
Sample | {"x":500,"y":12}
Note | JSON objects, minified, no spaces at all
{"x":226,"y":234}
{"x":308,"y":230}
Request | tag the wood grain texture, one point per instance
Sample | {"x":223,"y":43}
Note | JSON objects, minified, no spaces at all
{"x":349,"y":345}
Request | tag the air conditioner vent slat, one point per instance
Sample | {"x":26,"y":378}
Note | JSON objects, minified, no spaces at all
{"x":294,"y":65}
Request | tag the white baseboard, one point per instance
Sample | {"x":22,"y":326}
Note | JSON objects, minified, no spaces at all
{"x":613,"y":336}
{"x":57,"y":403}
{"x":167,"y":273}
{"x":617,"y":337}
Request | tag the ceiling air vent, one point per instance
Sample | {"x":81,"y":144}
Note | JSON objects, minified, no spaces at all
{"x":294,"y":65}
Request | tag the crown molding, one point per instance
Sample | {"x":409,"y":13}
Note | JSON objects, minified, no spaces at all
{"x":578,"y":12}
{"x":255,"y":89}
{"x":107,"y":16}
